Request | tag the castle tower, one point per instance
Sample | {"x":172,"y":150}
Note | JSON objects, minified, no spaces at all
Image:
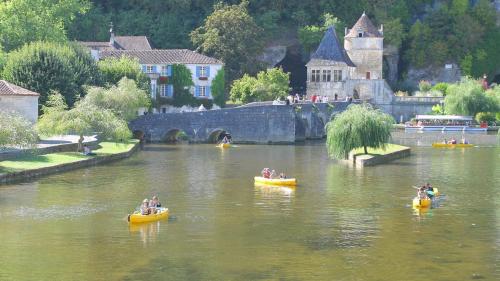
{"x":365,"y":47}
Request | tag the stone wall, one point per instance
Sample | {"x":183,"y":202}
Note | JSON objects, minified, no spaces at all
{"x":27,"y":106}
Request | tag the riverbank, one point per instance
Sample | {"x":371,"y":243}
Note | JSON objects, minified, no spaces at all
{"x":29,"y":166}
{"x":378,"y":155}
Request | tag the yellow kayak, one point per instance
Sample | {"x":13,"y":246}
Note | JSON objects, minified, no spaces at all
{"x":281,"y":182}
{"x":224,"y":145}
{"x":138,"y":218}
{"x":421,"y":203}
{"x":459,"y":145}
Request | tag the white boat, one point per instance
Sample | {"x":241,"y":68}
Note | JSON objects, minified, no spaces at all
{"x":443,"y":123}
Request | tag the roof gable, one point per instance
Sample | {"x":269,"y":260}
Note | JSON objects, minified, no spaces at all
{"x":171,"y":56}
{"x":132,"y":42}
{"x":9,"y":89}
{"x":364,"y":25}
{"x":330,"y":49}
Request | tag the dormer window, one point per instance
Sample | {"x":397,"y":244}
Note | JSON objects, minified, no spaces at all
{"x":360,"y":34}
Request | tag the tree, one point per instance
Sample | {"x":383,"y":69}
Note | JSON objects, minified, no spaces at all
{"x":114,"y":69}
{"x":468,"y":98}
{"x":394,"y":32}
{"x":182,"y":81}
{"x":84,"y":119}
{"x":231,"y":35}
{"x":269,"y":85}
{"x":358,"y":126}
{"x":310,"y":36}
{"x":44,"y":67}
{"x":16,"y":131}
{"x":24,"y":21}
{"x":123,"y":99}
{"x":218,"y":88}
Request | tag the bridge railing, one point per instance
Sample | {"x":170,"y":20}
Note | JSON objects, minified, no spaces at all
{"x":434,"y":100}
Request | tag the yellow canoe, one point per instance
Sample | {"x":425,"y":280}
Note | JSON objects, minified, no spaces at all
{"x":138,"y":218}
{"x":421,"y":203}
{"x":224,"y":145}
{"x":459,"y":145}
{"x":280,"y":182}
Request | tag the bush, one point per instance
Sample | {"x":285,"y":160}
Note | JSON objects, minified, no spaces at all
{"x":424,"y":86}
{"x":441,"y":87}
{"x":114,"y":69}
{"x":486,"y":117}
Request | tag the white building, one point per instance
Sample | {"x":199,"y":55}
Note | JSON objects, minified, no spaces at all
{"x":19,"y":100}
{"x":354,"y":70}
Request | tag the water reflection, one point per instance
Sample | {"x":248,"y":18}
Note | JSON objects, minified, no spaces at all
{"x":148,"y":232}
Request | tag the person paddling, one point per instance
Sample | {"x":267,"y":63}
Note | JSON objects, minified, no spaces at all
{"x":145,"y":207}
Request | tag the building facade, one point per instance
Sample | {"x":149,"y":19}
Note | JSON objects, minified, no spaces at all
{"x":158,"y":64}
{"x":351,"y":71}
{"x":19,"y":101}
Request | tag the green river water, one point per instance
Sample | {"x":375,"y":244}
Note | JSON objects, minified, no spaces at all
{"x":340,"y":223}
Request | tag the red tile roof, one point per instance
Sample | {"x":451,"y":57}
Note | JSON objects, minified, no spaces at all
{"x":365,"y":25}
{"x":9,"y":89}
{"x":171,"y":56}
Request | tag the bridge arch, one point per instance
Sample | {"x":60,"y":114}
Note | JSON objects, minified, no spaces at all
{"x":217,"y":135}
{"x":174,"y":135}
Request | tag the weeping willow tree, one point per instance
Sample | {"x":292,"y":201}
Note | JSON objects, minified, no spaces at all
{"x":83,"y":119}
{"x":358,"y":126}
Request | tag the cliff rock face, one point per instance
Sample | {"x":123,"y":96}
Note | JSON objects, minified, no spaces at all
{"x":391,"y":62}
{"x":447,"y":73}
{"x":272,"y":55}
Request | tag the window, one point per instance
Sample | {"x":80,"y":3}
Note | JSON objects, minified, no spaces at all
{"x":163,"y":110}
{"x":202,"y":91}
{"x":163,"y":90}
{"x":327,"y":75}
{"x":164,"y":70}
{"x":360,"y":34}
{"x":337,"y":75}
{"x":149,"y":69}
{"x":203,"y":71}
{"x":315,"y":75}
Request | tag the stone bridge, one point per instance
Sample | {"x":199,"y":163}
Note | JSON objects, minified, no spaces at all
{"x":252,"y":123}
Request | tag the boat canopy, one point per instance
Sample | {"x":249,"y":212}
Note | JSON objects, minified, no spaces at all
{"x":444,"y":117}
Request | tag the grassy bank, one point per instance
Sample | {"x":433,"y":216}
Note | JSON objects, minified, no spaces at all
{"x":29,"y":162}
{"x":390,"y":148}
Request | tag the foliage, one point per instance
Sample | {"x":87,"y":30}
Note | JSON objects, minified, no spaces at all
{"x":24,"y":21}
{"x":441,"y":87}
{"x":394,"y":32}
{"x":401,"y":94}
{"x":437,"y":109}
{"x":124,"y":99}
{"x":268,"y":85}
{"x":44,"y":67}
{"x":424,"y":86}
{"x":231,"y":35}
{"x":84,"y":119}
{"x":310,"y":35}
{"x":488,"y":117}
{"x":218,"y":88}
{"x":358,"y":126}
{"x":16,"y":131}
{"x":468,"y":98}
{"x":182,"y":82}
{"x":114,"y":69}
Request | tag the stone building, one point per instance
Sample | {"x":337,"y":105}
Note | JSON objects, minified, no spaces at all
{"x":18,"y":100}
{"x":354,"y":70}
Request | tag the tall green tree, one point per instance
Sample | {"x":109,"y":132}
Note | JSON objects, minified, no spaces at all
{"x":358,"y":126}
{"x":182,"y":81}
{"x":219,"y":89}
{"x":310,"y":35}
{"x":84,"y":119}
{"x":45,"y":67}
{"x":468,"y":98}
{"x":123,"y":99}
{"x":15,"y":131}
{"x":231,"y":35}
{"x":24,"y":21}
{"x":114,"y":69}
{"x":268,"y":85}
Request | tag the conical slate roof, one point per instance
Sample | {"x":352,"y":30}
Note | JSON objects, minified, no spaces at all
{"x":365,"y":25}
{"x":330,"y":49}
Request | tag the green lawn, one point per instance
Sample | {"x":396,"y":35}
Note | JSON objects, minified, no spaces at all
{"x":388,"y":149}
{"x":29,"y":162}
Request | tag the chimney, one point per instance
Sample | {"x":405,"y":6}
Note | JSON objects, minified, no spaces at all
{"x":111,"y":35}
{"x":381,"y":30}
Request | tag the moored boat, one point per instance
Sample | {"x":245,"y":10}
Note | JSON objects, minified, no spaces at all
{"x":137,"y":217}
{"x":280,"y":182}
{"x":224,"y":145}
{"x":449,"y":145}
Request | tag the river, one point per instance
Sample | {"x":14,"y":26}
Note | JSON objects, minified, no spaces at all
{"x":340,"y":223}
